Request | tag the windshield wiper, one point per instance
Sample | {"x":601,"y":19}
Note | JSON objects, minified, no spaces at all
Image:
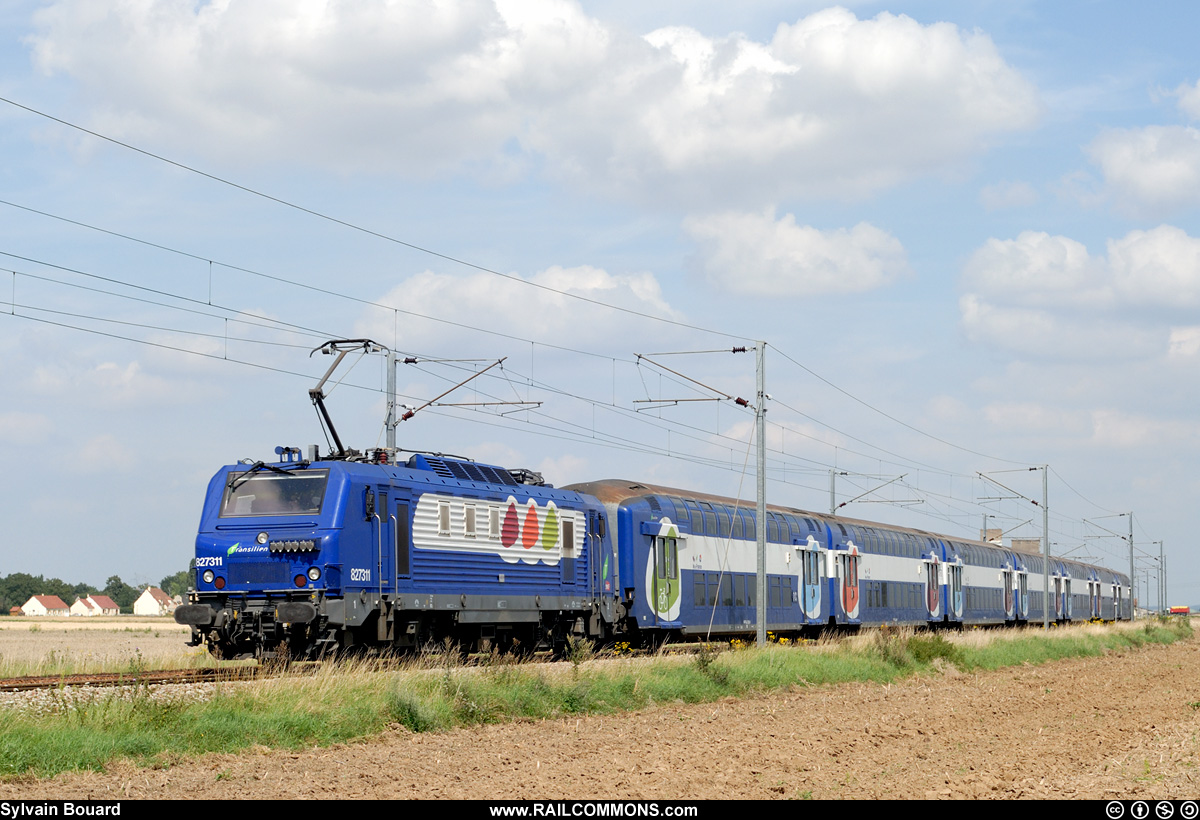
{"x":262,"y":465}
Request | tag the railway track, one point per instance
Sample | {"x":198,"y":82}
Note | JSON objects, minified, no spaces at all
{"x":262,"y":672}
{"x":147,"y":677}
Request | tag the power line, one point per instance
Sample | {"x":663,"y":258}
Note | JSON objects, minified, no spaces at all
{"x":902,"y":460}
{"x":890,"y":417}
{"x":447,"y":257}
{"x":368,"y":231}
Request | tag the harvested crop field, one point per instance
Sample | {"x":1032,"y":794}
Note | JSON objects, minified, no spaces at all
{"x":1123,"y":725}
{"x":31,"y":645}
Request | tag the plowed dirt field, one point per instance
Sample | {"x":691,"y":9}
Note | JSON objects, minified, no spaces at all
{"x":1123,"y":725}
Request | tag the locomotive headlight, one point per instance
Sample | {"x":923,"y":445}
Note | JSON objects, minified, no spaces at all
{"x":262,"y":538}
{"x":314,"y":574}
{"x":208,"y":576}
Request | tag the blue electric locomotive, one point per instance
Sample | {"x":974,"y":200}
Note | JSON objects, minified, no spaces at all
{"x":316,"y":556}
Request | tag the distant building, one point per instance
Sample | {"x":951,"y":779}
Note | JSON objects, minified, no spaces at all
{"x":84,"y":607}
{"x":106,"y":605}
{"x":153,"y":601}
{"x":15,"y":612}
{"x":95,"y":605}
{"x":1032,"y":546}
{"x":46,"y":605}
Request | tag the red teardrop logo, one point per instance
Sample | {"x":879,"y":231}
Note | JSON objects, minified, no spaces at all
{"x":510,"y":530}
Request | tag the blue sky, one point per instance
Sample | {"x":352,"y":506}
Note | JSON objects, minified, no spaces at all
{"x":975,"y":222}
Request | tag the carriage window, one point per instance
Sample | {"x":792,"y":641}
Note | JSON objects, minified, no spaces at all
{"x":723,"y":518}
{"x":493,"y":522}
{"x":443,"y":518}
{"x":266,"y":493}
{"x":469,"y":521}
{"x":681,"y":513}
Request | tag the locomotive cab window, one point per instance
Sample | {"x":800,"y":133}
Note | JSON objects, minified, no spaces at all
{"x":293,"y":493}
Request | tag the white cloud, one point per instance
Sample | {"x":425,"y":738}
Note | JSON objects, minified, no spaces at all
{"x":1045,"y":334}
{"x":1160,"y":267}
{"x":1113,"y":428}
{"x":1033,"y":417}
{"x":758,"y":254}
{"x":1006,"y":195}
{"x":111,"y":385}
{"x":1036,"y":269}
{"x":1185,"y":341}
{"x":24,"y":428}
{"x":831,"y":104}
{"x":564,"y":469}
{"x":103,"y":454}
{"x":1149,"y":170}
{"x":1189,"y":99}
{"x":943,"y":409}
{"x":1045,"y":296}
{"x":1101,"y":427}
{"x":541,"y":314}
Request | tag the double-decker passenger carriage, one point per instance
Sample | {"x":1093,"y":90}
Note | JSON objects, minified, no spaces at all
{"x":308,"y":557}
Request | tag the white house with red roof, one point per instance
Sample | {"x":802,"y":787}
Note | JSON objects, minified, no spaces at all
{"x":95,"y":605}
{"x":153,"y":601}
{"x":46,"y":605}
{"x":105,"y":605}
{"x":84,"y":607}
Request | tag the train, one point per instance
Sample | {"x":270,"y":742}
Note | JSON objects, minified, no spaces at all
{"x":312,"y":558}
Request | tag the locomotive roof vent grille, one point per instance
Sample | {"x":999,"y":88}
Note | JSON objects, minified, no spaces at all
{"x":464,"y":470}
{"x":439,"y":467}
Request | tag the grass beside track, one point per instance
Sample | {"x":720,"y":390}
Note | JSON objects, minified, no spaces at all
{"x":346,"y":702}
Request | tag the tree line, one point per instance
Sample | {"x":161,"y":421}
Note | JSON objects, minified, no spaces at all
{"x":19,"y":587}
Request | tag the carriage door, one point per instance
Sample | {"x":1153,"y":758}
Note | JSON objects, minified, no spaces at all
{"x":811,"y":578}
{"x":1067,"y":595}
{"x":1057,"y":597}
{"x":1010,"y":588}
{"x":665,"y":599}
{"x":848,"y":581}
{"x":954,"y":583}
{"x":1022,"y":594}
{"x":603,"y":569}
{"x":933,"y":589}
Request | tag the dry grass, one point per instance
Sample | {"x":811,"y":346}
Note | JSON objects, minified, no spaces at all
{"x":55,"y":646}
